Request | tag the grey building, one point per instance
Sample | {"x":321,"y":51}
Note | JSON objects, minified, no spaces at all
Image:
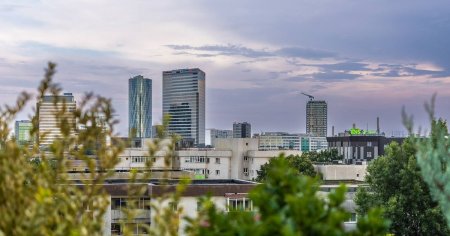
{"x":357,"y":149}
{"x":47,"y":106}
{"x":316,"y":118}
{"x":219,"y":133}
{"x":140,"y":107}
{"x":184,"y":102}
{"x":242,"y":130}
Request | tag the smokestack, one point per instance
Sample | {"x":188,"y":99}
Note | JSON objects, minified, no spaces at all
{"x":332,"y":131}
{"x":378,"y":125}
{"x":354,"y":126}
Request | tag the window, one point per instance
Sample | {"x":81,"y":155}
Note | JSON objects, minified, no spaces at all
{"x":239,"y":204}
{"x":173,"y":206}
{"x":217,"y":172}
{"x":353,"y":218}
{"x":369,"y":144}
{"x":245,"y":158}
{"x":196,"y":159}
{"x":369,"y":154}
{"x":217,"y":160}
{"x":245,"y":170}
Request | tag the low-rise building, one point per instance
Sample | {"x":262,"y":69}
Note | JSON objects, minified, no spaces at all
{"x":359,"y":149}
{"x":286,"y":141}
{"x":227,"y":195}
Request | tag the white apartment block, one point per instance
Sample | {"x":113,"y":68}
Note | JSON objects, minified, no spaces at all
{"x":47,"y":107}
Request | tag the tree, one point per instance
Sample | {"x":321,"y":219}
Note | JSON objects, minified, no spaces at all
{"x":395,"y":184}
{"x":36,"y":195}
{"x":433,"y":156}
{"x":301,"y":164}
{"x":325,"y":156}
{"x":286,"y":204}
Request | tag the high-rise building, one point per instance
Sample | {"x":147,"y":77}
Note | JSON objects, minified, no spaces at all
{"x":140,"y":107}
{"x":22,"y":132}
{"x":242,"y":130}
{"x":316,"y":118}
{"x":184,"y":101}
{"x":47,"y":107}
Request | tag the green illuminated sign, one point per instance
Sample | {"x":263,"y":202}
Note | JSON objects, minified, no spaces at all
{"x":356,"y":131}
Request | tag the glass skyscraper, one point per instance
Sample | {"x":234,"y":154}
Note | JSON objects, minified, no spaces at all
{"x":184,"y":101}
{"x":22,"y":132}
{"x":140,"y":107}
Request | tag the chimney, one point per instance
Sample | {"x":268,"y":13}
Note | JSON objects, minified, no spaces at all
{"x":354,"y":126}
{"x":378,"y":125}
{"x":332,"y":131}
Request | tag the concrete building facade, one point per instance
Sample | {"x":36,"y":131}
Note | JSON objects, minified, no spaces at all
{"x":219,"y":133}
{"x":316,"y":118}
{"x":47,"y":107}
{"x":184,"y":101}
{"x":358,"y":149}
{"x":286,"y":141}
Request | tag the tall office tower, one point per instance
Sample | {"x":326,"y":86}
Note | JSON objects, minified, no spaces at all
{"x":48,"y":123}
{"x":184,"y":101}
{"x":140,"y":107}
{"x":242,"y":130}
{"x":316,"y":118}
{"x":22,"y":132}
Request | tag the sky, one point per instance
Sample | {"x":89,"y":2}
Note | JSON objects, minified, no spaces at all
{"x":366,"y":58}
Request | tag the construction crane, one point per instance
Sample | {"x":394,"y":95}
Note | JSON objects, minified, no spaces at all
{"x":311,"y":97}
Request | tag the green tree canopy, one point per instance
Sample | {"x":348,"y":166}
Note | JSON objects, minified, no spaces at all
{"x":301,"y":164}
{"x":395,"y":184}
{"x":325,"y":156}
{"x":286,"y":204}
{"x":433,"y":157}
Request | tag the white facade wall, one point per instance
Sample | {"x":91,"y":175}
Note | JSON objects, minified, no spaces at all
{"x":214,"y":163}
{"x":259,"y":158}
{"x":233,"y":159}
{"x":239,"y":148}
{"x":342,"y":172}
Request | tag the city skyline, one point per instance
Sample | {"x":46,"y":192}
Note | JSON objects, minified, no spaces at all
{"x":364,"y":63}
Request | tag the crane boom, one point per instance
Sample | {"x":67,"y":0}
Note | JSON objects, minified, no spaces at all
{"x":311,"y":97}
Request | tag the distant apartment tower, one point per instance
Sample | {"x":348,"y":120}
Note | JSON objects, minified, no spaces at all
{"x":140,"y":107}
{"x":22,"y":130}
{"x":184,"y":101}
{"x":48,"y":122}
{"x":242,"y":130}
{"x":316,"y":118}
{"x":220,"y":133}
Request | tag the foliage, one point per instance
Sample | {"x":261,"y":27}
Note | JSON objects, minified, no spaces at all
{"x":325,"y":156}
{"x":433,"y":156}
{"x":286,"y":204}
{"x":301,"y":164}
{"x":36,"y":195}
{"x":395,"y":184}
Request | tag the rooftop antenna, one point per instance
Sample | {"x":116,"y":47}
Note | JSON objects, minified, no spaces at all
{"x":311,"y":97}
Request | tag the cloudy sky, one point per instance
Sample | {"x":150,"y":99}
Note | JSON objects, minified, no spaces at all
{"x":366,"y":58}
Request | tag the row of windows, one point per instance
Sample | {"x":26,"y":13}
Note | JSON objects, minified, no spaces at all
{"x":199,"y":159}
{"x":196,"y":159}
{"x":141,"y":159}
{"x":201,"y":171}
{"x":130,"y":203}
